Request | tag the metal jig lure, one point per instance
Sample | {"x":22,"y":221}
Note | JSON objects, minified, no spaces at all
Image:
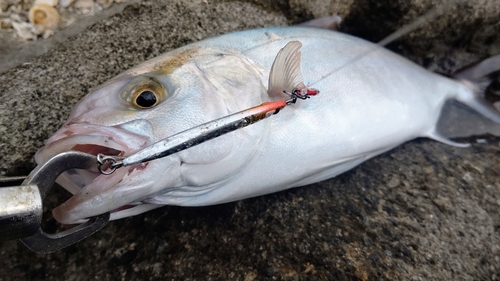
{"x":107,"y":164}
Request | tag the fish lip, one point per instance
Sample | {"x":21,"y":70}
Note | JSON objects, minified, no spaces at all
{"x":92,"y":139}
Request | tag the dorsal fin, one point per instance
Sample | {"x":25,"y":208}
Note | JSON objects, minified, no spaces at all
{"x":285,"y":73}
{"x":329,"y":22}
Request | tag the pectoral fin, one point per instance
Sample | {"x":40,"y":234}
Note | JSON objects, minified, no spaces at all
{"x":285,"y":73}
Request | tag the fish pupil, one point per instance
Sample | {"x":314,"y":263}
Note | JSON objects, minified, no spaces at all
{"x":146,"y":99}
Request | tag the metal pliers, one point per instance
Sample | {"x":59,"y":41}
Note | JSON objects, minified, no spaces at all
{"x":21,"y":206}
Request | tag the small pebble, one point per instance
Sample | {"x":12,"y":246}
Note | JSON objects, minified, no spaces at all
{"x":51,"y":3}
{"x":65,"y":3}
{"x":82,"y":4}
{"x":24,"y":30}
{"x":105,"y":3}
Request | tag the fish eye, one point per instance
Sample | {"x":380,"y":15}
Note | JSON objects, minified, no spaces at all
{"x":144,"y":92}
{"x":145,"y":99}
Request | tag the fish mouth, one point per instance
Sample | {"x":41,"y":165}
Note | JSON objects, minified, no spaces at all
{"x":85,"y":185}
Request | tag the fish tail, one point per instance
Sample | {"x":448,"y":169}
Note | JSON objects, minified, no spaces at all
{"x":476,"y":80}
{"x":474,"y":84}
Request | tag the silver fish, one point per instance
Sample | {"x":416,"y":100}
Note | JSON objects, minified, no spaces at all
{"x":371,"y":101}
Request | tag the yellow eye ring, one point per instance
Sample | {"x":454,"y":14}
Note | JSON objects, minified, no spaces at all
{"x":144,"y":92}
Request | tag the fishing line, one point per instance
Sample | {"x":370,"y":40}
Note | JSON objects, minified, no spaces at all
{"x":405,"y":29}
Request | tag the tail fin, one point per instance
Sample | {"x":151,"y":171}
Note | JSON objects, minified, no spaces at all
{"x":478,"y":73}
{"x":476,"y":80}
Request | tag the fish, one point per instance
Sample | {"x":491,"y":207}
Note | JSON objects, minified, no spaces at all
{"x":371,"y":100}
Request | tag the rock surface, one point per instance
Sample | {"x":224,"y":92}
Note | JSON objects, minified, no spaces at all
{"x":423,"y":211}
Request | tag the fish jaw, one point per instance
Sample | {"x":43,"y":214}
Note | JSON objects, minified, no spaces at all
{"x":94,"y":193}
{"x":106,"y":193}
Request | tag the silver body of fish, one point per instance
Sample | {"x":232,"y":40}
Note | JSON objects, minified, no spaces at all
{"x":370,"y":101}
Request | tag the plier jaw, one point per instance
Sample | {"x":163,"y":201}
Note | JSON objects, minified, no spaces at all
{"x":21,"y":213}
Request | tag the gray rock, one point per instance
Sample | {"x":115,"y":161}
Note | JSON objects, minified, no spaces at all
{"x":423,"y":211}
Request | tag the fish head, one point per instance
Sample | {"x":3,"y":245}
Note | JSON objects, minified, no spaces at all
{"x":148,"y":103}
